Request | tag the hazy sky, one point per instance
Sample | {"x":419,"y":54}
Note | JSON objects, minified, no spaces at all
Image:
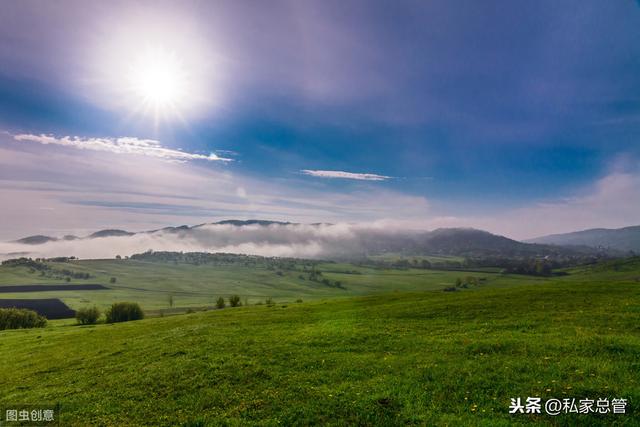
{"x":519,"y":117}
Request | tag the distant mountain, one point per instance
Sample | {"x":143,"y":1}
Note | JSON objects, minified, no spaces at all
{"x":459,"y":241}
{"x":240,"y":223}
{"x":36,"y":240}
{"x":622,"y":239}
{"x":172,"y":229}
{"x":324,"y":241}
{"x":110,"y":233}
{"x":471,"y":242}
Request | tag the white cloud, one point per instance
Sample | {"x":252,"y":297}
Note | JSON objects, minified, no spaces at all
{"x":87,"y":190}
{"x":612,"y":201}
{"x":345,"y":175}
{"x":57,"y":191}
{"x":287,"y":240}
{"x":122,"y":145}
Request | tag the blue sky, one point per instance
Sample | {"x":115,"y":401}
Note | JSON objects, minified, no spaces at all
{"x":515,"y":116}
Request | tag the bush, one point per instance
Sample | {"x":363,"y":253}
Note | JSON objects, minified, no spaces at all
{"x":88,"y":315}
{"x":19,"y":318}
{"x":123,"y":312}
{"x":299,"y":300}
{"x":269,"y":301}
{"x":220,"y":303}
{"x":112,"y":280}
{"x":234,"y":301}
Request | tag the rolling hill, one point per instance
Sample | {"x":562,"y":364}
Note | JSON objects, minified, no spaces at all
{"x":621,"y":239}
{"x":273,"y":238}
{"x":402,"y":358}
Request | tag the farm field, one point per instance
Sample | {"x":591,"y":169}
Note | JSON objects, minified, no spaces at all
{"x":152,"y":283}
{"x":405,"y":357}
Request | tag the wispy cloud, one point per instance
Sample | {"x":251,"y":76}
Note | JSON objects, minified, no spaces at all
{"x":289,"y":240}
{"x":345,"y":175}
{"x":122,"y":145}
{"x":90,"y":190}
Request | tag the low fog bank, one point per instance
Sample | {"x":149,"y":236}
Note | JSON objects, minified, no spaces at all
{"x":280,"y":240}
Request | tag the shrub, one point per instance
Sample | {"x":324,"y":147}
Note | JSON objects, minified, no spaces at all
{"x":234,"y":301}
{"x":470,"y":280}
{"x":112,"y":280}
{"x":269,"y":301}
{"x":299,"y":300}
{"x":220,"y":303}
{"x":19,"y":318}
{"x":123,"y":312}
{"x":88,"y":315}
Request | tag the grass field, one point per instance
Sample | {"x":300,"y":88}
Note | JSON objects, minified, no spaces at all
{"x":396,"y":358}
{"x":151,"y":284}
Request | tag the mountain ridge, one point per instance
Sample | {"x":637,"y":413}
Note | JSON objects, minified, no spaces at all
{"x":468,"y":242}
{"x":621,"y":239}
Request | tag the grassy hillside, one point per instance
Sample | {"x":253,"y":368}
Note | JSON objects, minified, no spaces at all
{"x":400,"y":358}
{"x":151,"y":283}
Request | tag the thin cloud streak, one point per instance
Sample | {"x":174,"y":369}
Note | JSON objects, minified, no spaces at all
{"x":122,"y":145}
{"x":345,"y":175}
{"x":91,"y":190}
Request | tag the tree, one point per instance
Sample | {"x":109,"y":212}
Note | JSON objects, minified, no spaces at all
{"x":124,"y":312}
{"x":17,"y":318}
{"x":220,"y":303}
{"x":542,"y":268}
{"x":87,"y":315}
{"x":234,"y":301}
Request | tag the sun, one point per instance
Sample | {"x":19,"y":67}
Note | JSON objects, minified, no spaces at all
{"x":159,"y":81}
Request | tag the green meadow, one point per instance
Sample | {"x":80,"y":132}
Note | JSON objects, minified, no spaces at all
{"x":151,"y":283}
{"x":406,"y":353}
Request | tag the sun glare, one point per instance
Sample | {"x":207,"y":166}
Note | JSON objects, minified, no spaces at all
{"x":151,"y":72}
{"x":159,"y":81}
